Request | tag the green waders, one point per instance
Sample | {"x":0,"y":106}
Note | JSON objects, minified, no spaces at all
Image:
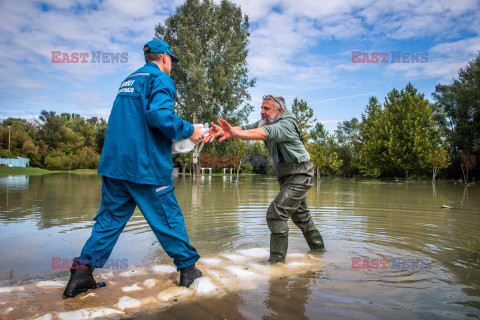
{"x":291,"y":202}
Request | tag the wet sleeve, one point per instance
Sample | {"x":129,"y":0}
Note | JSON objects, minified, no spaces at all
{"x":250,"y":126}
{"x":281,"y":131}
{"x":161,"y":114}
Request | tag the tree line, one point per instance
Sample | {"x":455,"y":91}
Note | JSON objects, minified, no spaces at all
{"x":56,"y":142}
{"x":403,"y":136}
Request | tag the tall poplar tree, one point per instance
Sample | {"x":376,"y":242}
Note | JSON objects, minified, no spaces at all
{"x":211,"y":41}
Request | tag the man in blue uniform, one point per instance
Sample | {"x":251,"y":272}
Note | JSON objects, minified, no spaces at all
{"x":136,"y":168}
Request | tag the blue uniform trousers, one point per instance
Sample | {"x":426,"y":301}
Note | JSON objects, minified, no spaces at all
{"x":159,"y":207}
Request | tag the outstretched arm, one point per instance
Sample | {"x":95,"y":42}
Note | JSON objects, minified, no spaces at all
{"x":230,"y":132}
{"x":216,"y":131}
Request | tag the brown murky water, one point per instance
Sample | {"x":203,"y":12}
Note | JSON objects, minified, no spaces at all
{"x":393,"y":252}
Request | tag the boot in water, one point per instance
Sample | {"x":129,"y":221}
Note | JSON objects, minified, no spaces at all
{"x":81,"y":280}
{"x":278,"y":248}
{"x":188,"y":275}
{"x":315,"y":240}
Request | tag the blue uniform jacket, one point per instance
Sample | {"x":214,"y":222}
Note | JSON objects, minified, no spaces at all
{"x":142,"y":124}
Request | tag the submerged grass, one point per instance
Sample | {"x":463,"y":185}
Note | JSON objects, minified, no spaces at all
{"x":7,"y":171}
{"x":473,"y":249}
{"x":31,"y":171}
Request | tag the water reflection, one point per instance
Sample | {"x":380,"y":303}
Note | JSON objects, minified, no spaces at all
{"x":51,"y":215}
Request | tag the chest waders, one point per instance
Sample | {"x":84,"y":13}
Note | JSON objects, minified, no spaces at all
{"x":295,"y":180}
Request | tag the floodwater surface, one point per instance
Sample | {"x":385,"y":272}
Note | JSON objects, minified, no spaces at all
{"x":393,"y":252}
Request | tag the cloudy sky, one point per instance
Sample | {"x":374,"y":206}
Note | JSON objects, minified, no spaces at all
{"x":300,"y":48}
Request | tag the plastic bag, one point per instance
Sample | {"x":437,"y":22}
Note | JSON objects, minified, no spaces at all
{"x":187,"y":145}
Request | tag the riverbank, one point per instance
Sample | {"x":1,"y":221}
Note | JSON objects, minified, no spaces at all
{"x":31,"y":171}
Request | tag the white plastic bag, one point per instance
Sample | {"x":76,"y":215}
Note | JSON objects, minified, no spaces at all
{"x":187,"y":145}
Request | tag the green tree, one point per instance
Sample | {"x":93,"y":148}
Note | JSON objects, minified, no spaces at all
{"x":372,"y":159}
{"x":50,"y":131}
{"x":400,"y":136}
{"x":347,"y":141}
{"x":211,"y":41}
{"x":458,"y":110}
{"x":318,"y":155}
{"x":438,"y":159}
{"x":100,"y":131}
{"x":303,"y":117}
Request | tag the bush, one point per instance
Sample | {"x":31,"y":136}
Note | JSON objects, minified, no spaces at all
{"x":86,"y":158}
{"x":57,"y":160}
{"x":5,"y":153}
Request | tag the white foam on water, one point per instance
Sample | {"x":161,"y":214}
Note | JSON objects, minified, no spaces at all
{"x":254,"y":252}
{"x":215,"y":275}
{"x":243,"y":274}
{"x":88,"y":313}
{"x":10,"y":309}
{"x":297,"y":256}
{"x":127,"y":302}
{"x":134,"y":287}
{"x":234,"y":257}
{"x":11,"y":289}
{"x":149,"y":283}
{"x":148,"y":300}
{"x":204,"y":285}
{"x":225,"y":272}
{"x":295,"y":264}
{"x":173,"y":293}
{"x":210,"y":261}
{"x":164,"y":269}
{"x":136,"y":272}
{"x":58,"y":284}
{"x":47,"y":316}
{"x":106,"y":275}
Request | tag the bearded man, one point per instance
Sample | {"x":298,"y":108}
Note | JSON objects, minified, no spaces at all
{"x":294,"y":170}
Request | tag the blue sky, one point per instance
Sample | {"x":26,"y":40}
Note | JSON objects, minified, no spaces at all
{"x":298,"y":48}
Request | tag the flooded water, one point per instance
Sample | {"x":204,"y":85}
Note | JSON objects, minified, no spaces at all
{"x":392,"y":252}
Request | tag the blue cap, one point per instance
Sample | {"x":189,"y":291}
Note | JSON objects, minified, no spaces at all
{"x":159,"y":46}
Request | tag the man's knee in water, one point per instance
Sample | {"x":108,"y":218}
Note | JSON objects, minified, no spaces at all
{"x":278,"y":226}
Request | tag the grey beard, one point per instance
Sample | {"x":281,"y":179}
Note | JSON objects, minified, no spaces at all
{"x":262,"y":122}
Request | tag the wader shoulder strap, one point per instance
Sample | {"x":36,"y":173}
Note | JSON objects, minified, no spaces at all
{"x":281,"y":158}
{"x":298,"y":131}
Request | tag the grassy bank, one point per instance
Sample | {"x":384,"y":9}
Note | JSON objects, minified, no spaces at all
{"x":7,"y":171}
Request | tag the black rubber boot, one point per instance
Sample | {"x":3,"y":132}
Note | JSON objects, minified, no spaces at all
{"x":81,"y":280}
{"x":278,"y":248}
{"x":188,"y":275}
{"x":314,"y":240}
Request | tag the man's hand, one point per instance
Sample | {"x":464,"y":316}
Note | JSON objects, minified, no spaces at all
{"x":228,"y":131}
{"x":197,"y":135}
{"x":213,"y":132}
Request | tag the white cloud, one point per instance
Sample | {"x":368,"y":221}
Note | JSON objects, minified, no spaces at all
{"x":295,"y":46}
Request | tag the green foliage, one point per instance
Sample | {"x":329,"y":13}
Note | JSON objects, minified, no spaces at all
{"x":57,"y":160}
{"x":473,"y":249}
{"x":322,"y":149}
{"x":347,"y":144}
{"x":401,"y":136}
{"x":459,"y":103}
{"x":55,"y":142}
{"x":211,"y":41}
{"x":303,"y":117}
